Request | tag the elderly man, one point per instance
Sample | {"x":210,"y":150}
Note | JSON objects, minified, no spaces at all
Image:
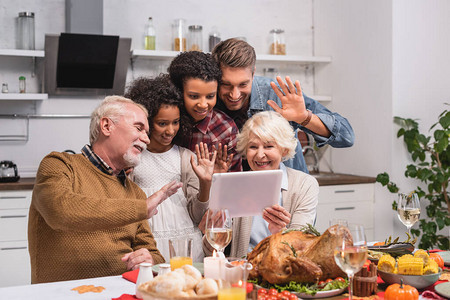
{"x":87,"y":219}
{"x":242,"y":95}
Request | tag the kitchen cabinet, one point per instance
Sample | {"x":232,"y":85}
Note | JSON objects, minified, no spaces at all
{"x":14,"y":257}
{"x":266,"y":58}
{"x":352,"y":202}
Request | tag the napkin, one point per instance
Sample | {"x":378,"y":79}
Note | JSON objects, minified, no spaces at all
{"x":431,"y":295}
{"x":131,"y":275}
{"x":125,"y":297}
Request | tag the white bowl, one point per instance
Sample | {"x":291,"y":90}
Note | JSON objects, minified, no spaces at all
{"x":417,"y":281}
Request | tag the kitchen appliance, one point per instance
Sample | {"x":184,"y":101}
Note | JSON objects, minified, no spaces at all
{"x":86,"y":64}
{"x":8,"y":171}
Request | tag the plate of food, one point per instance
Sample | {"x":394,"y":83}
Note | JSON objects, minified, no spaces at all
{"x":443,"y":289}
{"x":446,"y":257}
{"x":322,"y":294}
{"x":323,"y":289}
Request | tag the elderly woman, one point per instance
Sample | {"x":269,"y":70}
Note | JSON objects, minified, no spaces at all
{"x":265,"y":141}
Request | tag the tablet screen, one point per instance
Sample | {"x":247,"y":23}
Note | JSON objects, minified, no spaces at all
{"x":245,"y":193}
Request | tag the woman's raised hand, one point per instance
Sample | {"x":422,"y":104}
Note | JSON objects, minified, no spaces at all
{"x":204,"y":167}
{"x":223,"y":160}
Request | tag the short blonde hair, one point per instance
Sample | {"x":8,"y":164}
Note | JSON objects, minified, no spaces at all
{"x":269,"y":126}
{"x":112,"y":107}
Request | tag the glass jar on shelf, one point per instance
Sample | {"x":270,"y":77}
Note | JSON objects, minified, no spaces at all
{"x":5,"y":88}
{"x":22,"y":84}
{"x":277,"y":42}
{"x":179,"y":35}
{"x":214,"y":38}
{"x":195,"y":40}
{"x":25,"y":31}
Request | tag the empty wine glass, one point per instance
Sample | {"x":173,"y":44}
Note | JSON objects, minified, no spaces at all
{"x":408,"y":209}
{"x":218,"y":228}
{"x":350,"y":253}
{"x":342,"y":222}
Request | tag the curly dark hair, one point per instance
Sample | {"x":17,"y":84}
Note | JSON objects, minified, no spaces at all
{"x":194,"y":64}
{"x":153,"y":93}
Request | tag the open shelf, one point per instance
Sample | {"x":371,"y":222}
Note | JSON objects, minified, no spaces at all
{"x":18,"y":52}
{"x":157,"y":54}
{"x":24,"y":96}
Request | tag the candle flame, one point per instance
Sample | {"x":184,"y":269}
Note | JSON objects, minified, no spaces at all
{"x":240,"y":284}
{"x":214,"y":254}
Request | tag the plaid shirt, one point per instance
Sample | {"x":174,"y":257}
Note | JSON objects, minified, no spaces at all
{"x":101,"y":164}
{"x":217,"y":128}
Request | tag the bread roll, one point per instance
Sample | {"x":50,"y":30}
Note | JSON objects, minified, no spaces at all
{"x":168,"y":285}
{"x":207,"y":286}
{"x":192,"y":276}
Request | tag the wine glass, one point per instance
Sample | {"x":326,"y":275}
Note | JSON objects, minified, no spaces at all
{"x":408,"y":209}
{"x":350,"y":253}
{"x":341,"y":222}
{"x":218,"y":228}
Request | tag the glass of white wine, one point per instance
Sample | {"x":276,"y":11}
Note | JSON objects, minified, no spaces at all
{"x":350,"y":253}
{"x":218,"y":228}
{"x":408,"y":209}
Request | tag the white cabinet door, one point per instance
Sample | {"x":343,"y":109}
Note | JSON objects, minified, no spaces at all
{"x":14,"y":257}
{"x":15,"y":264}
{"x":352,"y":202}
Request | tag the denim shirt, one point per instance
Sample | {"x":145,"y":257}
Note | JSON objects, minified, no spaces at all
{"x":342,"y":134}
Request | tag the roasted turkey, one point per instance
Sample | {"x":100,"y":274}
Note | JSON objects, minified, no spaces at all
{"x":295,"y":256}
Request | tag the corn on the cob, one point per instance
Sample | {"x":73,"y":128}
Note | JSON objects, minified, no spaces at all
{"x":424,"y":255}
{"x":386,"y":263}
{"x":410,"y":265}
{"x":431,"y":268}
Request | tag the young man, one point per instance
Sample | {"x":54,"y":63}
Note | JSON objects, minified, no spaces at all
{"x":87,"y":219}
{"x":241,"y":95}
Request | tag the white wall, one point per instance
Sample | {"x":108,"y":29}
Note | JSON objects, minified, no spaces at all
{"x":252,"y":19}
{"x":390,"y":58}
{"x":358,"y":36}
{"x":421,"y":69}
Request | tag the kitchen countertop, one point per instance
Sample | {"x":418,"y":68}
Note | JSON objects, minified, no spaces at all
{"x":22,"y":184}
{"x":323,"y":178}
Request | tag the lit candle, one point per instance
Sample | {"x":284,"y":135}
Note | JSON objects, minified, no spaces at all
{"x":212,"y":266}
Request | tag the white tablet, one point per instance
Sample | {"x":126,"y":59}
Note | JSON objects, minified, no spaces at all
{"x":245,"y":193}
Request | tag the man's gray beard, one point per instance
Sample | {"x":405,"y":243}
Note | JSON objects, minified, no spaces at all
{"x":131,"y":159}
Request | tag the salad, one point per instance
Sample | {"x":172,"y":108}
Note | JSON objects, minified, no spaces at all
{"x":307,"y":288}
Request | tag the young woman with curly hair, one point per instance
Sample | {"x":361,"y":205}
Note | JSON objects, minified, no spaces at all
{"x":197,"y":76}
{"x":164,"y":160}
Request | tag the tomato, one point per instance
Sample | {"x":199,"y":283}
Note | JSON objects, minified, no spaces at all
{"x":328,"y":280}
{"x":293,"y":297}
{"x":262,"y":297}
{"x":286,"y":293}
{"x":340,"y":279}
{"x":321,"y":283}
{"x":272,"y":292}
{"x":271,"y":297}
{"x":262,"y":292}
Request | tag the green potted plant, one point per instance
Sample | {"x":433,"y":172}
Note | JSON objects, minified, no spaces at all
{"x":431,"y":166}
